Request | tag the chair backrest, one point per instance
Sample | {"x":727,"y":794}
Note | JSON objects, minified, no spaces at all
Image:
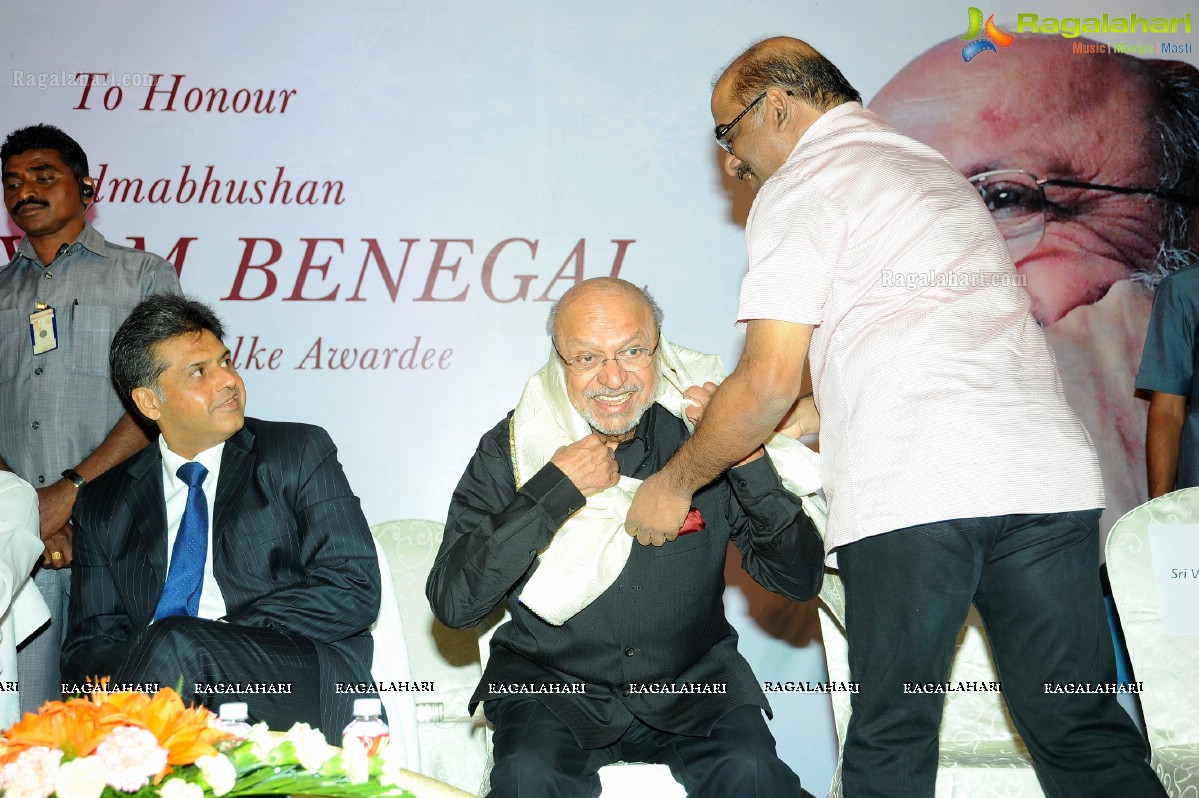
{"x":390,"y":664}
{"x":452,"y":747}
{"x":1167,"y":664}
{"x":976,"y":721}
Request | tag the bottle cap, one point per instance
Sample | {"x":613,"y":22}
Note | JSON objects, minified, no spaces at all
{"x":368,"y":706}
{"x":234,"y":711}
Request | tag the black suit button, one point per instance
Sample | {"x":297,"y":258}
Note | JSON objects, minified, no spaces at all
{"x":624,"y":691}
{"x":628,"y":652}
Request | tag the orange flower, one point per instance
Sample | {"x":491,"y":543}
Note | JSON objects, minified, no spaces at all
{"x":120,"y":709}
{"x":70,"y":726}
{"x":77,"y":726}
{"x":183,"y":731}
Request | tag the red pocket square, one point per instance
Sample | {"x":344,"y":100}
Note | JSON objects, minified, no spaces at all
{"x":693,"y":523}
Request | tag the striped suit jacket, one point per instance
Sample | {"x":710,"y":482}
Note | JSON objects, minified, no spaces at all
{"x":291,"y":550}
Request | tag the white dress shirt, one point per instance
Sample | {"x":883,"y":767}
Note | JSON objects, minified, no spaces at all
{"x":22,"y":610}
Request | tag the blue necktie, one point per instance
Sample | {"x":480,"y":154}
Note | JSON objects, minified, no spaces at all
{"x":185,"y":577}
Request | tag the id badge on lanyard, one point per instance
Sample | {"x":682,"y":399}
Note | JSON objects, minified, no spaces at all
{"x":43,"y":329}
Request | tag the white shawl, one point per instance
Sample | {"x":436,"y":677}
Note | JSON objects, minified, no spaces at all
{"x":591,"y":548}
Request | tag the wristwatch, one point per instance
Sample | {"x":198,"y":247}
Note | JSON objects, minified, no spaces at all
{"x":75,"y":477}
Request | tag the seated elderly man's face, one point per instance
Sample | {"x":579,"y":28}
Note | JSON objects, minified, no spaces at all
{"x":601,"y":323}
{"x":1036,"y":106}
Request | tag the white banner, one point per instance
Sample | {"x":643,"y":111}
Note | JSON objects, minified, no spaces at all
{"x":382,"y":199}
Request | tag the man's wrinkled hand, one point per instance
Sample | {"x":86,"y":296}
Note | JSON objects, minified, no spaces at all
{"x":58,"y":548}
{"x":700,"y":395}
{"x":590,"y":463}
{"x":657,"y":513}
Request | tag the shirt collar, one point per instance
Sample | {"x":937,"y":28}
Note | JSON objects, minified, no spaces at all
{"x":645,"y":427}
{"x":89,"y":238}
{"x":829,"y":122}
{"x":209,"y":458}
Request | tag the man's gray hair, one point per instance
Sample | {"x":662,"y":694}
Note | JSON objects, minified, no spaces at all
{"x":1176,"y":125}
{"x":552,"y":318}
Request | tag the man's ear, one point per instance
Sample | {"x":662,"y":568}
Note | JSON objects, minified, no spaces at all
{"x":777,"y":107}
{"x":147,"y":402}
{"x":793,"y":118}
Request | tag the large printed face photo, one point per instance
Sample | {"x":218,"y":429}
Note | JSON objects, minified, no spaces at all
{"x":1040,"y":109}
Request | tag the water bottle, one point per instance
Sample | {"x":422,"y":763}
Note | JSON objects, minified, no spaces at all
{"x":233,"y":718}
{"x":367,"y":730}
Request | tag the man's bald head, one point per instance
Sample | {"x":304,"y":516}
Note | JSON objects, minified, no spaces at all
{"x":792,"y":64}
{"x":1029,"y":89}
{"x":765,"y":101}
{"x":608,"y":329}
{"x":1038,"y":106}
{"x":600,"y":291}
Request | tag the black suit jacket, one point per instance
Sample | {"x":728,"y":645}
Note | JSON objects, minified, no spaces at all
{"x":663,"y":620}
{"x":291,"y":550}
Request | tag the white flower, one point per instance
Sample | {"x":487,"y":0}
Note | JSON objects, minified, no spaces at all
{"x":354,"y":760}
{"x":131,"y":757}
{"x":393,"y":761}
{"x":311,"y":747}
{"x":218,"y":772}
{"x":80,"y":778}
{"x":180,"y":788}
{"x":263,"y":741}
{"x":30,"y":775}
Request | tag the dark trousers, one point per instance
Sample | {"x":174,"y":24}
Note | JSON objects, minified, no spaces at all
{"x":537,"y":756}
{"x":209,"y":654}
{"x":1035,"y":582}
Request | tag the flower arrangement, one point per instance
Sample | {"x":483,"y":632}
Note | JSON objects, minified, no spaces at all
{"x":110,"y":745}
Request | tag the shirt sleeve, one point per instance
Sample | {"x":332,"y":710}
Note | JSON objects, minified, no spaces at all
{"x":494,"y":532}
{"x":795,"y":237}
{"x":160,"y":277}
{"x":780,"y":547}
{"x":1167,"y":362}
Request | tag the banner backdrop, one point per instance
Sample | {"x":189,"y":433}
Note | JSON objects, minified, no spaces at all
{"x":382,"y":199}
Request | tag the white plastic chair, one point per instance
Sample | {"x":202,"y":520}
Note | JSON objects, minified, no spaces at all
{"x":1167,"y":664}
{"x":617,"y":780}
{"x":451,"y":744}
{"x":981,"y":755}
{"x":390,"y":664}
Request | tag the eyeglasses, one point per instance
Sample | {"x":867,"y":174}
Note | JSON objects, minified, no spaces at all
{"x":722,"y":131}
{"x":635,"y":358}
{"x":1017,"y":202}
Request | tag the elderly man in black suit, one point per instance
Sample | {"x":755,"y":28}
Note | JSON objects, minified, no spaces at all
{"x":648,"y":670}
{"x":270,"y":603}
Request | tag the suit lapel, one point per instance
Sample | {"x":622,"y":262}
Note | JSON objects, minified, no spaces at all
{"x":148,"y":530}
{"x":237,"y":461}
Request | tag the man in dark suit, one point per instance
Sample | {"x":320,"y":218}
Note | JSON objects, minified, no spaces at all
{"x":271,"y":603}
{"x":649,"y":670}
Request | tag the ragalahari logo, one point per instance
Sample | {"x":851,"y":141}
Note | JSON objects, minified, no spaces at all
{"x":994,"y":35}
